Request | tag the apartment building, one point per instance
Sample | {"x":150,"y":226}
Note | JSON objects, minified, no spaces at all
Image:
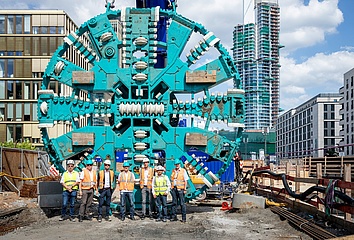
{"x":256,"y":55}
{"x":347,"y":113}
{"x":310,"y":129}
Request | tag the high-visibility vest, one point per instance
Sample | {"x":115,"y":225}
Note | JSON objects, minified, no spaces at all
{"x":126,"y":182}
{"x":179,"y":177}
{"x":160,"y":185}
{"x":101,"y":178}
{"x":86,"y":183}
{"x":149,"y":177}
{"x":70,"y":179}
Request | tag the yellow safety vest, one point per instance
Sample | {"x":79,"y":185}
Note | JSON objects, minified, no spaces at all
{"x":70,"y":179}
{"x":160,"y":185}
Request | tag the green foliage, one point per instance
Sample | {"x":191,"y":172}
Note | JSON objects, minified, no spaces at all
{"x":26,"y":144}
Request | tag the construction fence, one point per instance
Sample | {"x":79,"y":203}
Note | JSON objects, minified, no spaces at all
{"x":20,"y":166}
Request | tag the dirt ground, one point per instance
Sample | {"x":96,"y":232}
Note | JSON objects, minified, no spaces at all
{"x":203,"y":222}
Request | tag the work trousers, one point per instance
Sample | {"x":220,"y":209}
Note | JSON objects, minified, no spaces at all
{"x":146,"y":194}
{"x":130,"y":196}
{"x":178,"y":198}
{"x":86,"y":201}
{"x":68,"y":197}
{"x":161,"y":205}
{"x":105,"y":197}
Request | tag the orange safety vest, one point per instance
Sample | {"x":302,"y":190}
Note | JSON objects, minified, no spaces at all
{"x":150,"y":176}
{"x":180,"y":178}
{"x":86,"y":182}
{"x":101,"y":178}
{"x":126,"y":182}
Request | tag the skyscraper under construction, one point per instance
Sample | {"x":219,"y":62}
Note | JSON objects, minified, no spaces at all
{"x":256,"y":54}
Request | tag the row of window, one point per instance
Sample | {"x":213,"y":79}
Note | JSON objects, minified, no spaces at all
{"x":19,"y":24}
{"x":29,"y":46}
{"x":26,"y":90}
{"x":18,"y":111}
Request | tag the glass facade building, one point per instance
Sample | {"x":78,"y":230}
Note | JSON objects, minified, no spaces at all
{"x":256,"y":54}
{"x":28,"y":39}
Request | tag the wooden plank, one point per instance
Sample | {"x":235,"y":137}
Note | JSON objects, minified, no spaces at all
{"x":201,"y":76}
{"x":11,"y":211}
{"x":347,"y":177}
{"x":196,"y":139}
{"x":83,"y":139}
{"x":81,"y":77}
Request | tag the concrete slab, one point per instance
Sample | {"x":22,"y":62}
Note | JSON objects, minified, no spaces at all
{"x":240,"y":200}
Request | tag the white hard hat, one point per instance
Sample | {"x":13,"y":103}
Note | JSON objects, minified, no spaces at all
{"x":70,"y":162}
{"x":160,"y":168}
{"x":146,"y":160}
{"x":107,"y":162}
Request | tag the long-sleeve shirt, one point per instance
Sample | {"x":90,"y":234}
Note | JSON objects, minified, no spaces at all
{"x":167,"y":181}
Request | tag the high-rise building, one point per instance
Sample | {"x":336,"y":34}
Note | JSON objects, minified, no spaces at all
{"x":28,"y":39}
{"x":311,"y":129}
{"x":347,"y":113}
{"x":256,"y":54}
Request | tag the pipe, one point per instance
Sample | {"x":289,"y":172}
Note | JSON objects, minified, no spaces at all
{"x":302,"y":196}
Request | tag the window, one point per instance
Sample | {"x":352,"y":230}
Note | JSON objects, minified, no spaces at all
{"x":27,"y":24}
{"x":10,"y":68}
{"x":19,"y":24}
{"x":18,"y":112}
{"x":27,"y":112}
{"x":10,"y":24}
{"x":26,"y":92}
{"x":2,"y":24}
{"x":19,"y":90}
{"x":10,"y":90}
{"x":2,"y":89}
{"x":10,"y":111}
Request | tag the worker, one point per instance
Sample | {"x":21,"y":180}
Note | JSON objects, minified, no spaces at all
{"x":179,"y":179}
{"x":160,"y":188}
{"x":146,"y":174}
{"x":126,"y":181}
{"x":70,"y":181}
{"x":105,"y":189}
{"x":88,"y":187}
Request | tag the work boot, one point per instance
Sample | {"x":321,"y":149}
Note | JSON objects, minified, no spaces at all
{"x":87,"y":218}
{"x":99,"y":219}
{"x":80,"y":218}
{"x":72,"y":219}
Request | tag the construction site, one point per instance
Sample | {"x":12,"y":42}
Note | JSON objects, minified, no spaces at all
{"x":269,"y":213}
{"x":125,"y":104}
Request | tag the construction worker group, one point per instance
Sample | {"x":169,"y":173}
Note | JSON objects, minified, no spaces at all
{"x":154,"y":184}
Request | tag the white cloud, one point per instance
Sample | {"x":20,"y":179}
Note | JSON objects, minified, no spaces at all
{"x":304,"y":26}
{"x":322,"y":73}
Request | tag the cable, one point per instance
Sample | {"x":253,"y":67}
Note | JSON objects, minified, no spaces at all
{"x":302,"y":196}
{"x":20,"y":178}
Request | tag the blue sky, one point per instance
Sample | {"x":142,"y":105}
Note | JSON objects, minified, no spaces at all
{"x":318,"y":36}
